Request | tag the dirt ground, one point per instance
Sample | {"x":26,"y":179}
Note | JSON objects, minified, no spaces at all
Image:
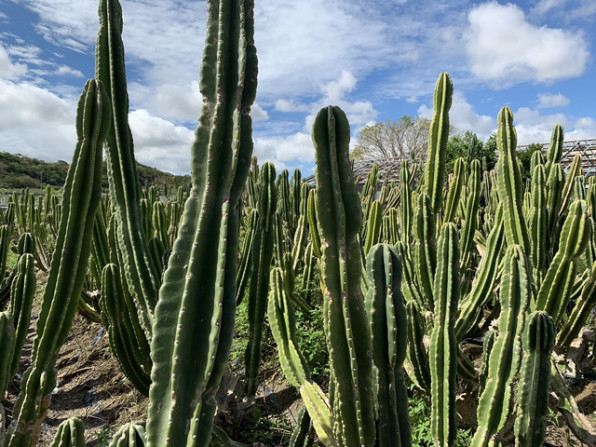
{"x":90,"y":386}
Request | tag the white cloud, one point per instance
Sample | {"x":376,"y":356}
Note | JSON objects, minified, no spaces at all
{"x":257,"y":113}
{"x":464,"y":117}
{"x":545,"y":6}
{"x":160,"y":143}
{"x":8,"y":69}
{"x":36,"y":122}
{"x":288,"y":106}
{"x":504,"y":48}
{"x":283,"y":150}
{"x":69,"y":71}
{"x":546,"y":100}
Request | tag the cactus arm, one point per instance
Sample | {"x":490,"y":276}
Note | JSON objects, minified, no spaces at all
{"x":455,"y":189}
{"x":425,"y":251}
{"x":129,"y":435}
{"x":417,"y":353}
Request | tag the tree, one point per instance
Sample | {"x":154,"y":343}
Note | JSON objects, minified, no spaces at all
{"x":468,"y":146}
{"x":525,"y":157}
{"x":406,"y":139}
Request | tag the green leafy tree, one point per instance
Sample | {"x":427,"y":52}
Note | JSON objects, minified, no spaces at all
{"x":468,"y":146}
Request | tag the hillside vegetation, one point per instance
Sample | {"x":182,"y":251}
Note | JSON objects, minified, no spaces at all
{"x":18,"y":171}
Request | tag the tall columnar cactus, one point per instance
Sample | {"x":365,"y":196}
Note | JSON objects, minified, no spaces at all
{"x":555,"y":290}
{"x":142,"y":276}
{"x":70,"y":433}
{"x":443,"y":344}
{"x":581,"y":311}
{"x":555,"y":149}
{"x":434,"y":175}
{"x":425,"y":250}
{"x":405,"y":207}
{"x":195,"y":316}
{"x":261,"y":265}
{"x":494,"y":407}
{"x":510,"y":186}
{"x":339,"y":217}
{"x":455,"y":189}
{"x":7,"y":343}
{"x":282,"y":321}
{"x":417,"y":352}
{"x":22,"y":292}
{"x":471,"y":215}
{"x":533,"y":385}
{"x":128,"y":346}
{"x":388,"y":321}
{"x":82,"y":193}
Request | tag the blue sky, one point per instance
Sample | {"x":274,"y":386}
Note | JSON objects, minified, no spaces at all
{"x":377,"y":59}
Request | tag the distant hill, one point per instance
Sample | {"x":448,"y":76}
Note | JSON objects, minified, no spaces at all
{"x":18,"y":171}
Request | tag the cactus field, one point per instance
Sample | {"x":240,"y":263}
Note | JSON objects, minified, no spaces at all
{"x":257,"y":307}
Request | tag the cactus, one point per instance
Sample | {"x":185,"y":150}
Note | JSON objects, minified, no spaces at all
{"x":7,"y":344}
{"x":70,"y":433}
{"x":455,"y":188}
{"x":339,"y":217}
{"x":373,"y":225}
{"x":510,"y":182}
{"x":261,"y":264}
{"x":387,"y":316}
{"x":128,"y":346}
{"x":496,"y":399}
{"x":434,"y":175}
{"x":194,"y":318}
{"x":141,"y":275}
{"x":22,"y":292}
{"x":82,"y":193}
{"x":425,"y":251}
{"x":555,"y":290}
{"x":417,"y":353}
{"x":443,"y":344}
{"x":129,"y":435}
{"x":533,"y":388}
{"x":581,"y":311}
{"x":303,"y":433}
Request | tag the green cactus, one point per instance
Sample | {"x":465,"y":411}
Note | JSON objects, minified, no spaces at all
{"x":22,"y":292}
{"x":339,"y":218}
{"x":533,"y":387}
{"x":141,"y":274}
{"x":417,"y":352}
{"x":82,"y":193}
{"x":261,"y":264}
{"x":434,"y":174}
{"x":455,"y":189}
{"x":194,"y":318}
{"x":388,"y":321}
{"x":7,"y":348}
{"x":494,"y":407}
{"x":129,"y":435}
{"x":443,"y":344}
{"x":70,"y":433}
{"x":303,"y":433}
{"x":555,"y":290}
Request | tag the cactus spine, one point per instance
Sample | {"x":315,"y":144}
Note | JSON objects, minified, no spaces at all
{"x":195,"y":316}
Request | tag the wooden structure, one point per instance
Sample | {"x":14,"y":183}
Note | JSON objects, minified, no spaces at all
{"x":585,"y":148}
